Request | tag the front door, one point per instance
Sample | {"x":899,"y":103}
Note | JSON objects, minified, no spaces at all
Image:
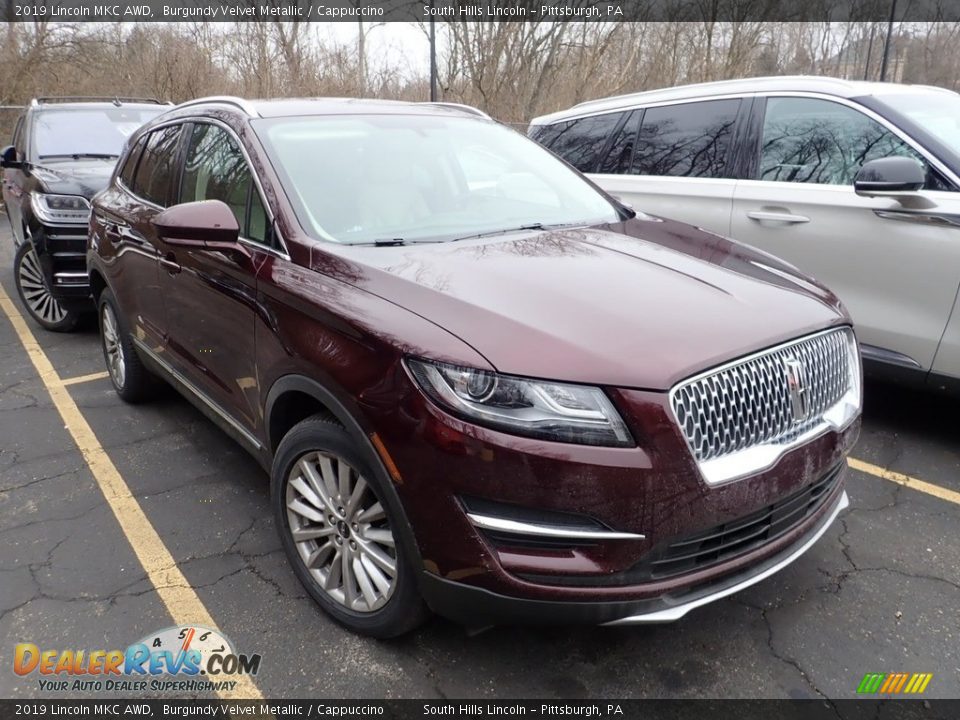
{"x":895,"y":264}
{"x":13,"y":186}
{"x":210,"y":296}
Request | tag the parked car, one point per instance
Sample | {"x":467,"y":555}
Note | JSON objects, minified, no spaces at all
{"x":802,"y":167}
{"x":480,"y":385}
{"x":63,"y":152}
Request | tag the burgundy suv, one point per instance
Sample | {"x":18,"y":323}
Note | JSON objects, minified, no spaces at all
{"x":480,"y":385}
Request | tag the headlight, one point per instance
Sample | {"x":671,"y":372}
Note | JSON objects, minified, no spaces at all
{"x":535,"y":408}
{"x":60,"y":209}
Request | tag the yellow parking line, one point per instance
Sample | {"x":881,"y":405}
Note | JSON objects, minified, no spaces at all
{"x":85,"y":378}
{"x":182,"y":602}
{"x":905,"y":480}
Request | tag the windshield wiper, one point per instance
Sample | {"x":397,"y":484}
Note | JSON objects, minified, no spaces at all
{"x":395,"y":242}
{"x":77,"y":156}
{"x":528,"y":226}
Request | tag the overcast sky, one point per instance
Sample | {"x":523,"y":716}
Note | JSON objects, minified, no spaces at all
{"x":403,"y":44}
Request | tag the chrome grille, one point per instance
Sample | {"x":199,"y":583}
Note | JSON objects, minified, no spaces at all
{"x":750,"y":402}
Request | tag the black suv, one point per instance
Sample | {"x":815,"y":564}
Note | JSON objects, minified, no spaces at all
{"x":63,"y":152}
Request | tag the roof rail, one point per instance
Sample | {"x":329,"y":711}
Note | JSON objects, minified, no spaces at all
{"x":460,"y":106}
{"x":244,"y":105}
{"x":115,"y":99}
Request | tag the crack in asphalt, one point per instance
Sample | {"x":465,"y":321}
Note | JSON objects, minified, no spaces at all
{"x":32,"y":570}
{"x":140,"y":441}
{"x":89,"y":510}
{"x":207,"y":479}
{"x":37,"y":481}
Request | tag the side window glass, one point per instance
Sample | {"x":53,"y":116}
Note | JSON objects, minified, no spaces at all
{"x":130,"y":164}
{"x":547,"y":135}
{"x":215,"y":169}
{"x":620,"y":154}
{"x":581,"y":142}
{"x":817,"y":141}
{"x":257,"y":226}
{"x":155,"y":170}
{"x":689,"y":140}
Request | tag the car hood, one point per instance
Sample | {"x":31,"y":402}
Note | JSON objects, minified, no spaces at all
{"x":84,"y":177}
{"x":641,"y":304}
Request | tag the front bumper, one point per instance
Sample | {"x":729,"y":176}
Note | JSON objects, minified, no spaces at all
{"x":477,"y":607}
{"x":479,"y":502}
{"x":62,"y":254}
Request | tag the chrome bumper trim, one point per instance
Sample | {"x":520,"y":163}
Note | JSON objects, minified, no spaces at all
{"x":70,"y":278}
{"x":678,"y":611}
{"x":488,"y":522}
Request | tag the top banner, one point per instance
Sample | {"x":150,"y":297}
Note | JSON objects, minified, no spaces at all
{"x":479,"y":10}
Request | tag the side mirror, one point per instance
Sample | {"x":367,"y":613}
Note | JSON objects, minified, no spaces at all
{"x":8,"y":158}
{"x":889,"y":176}
{"x":203,"y":225}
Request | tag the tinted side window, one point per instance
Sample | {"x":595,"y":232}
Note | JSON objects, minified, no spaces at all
{"x":130,"y":165}
{"x":215,"y":169}
{"x":157,"y":162}
{"x":620,"y":153}
{"x":546,"y":135}
{"x":690,"y":140}
{"x":817,"y":141}
{"x":582,"y":142}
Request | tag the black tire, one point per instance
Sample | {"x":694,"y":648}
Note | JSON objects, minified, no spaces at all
{"x":402,"y":610}
{"x":133,"y":382}
{"x":35,"y":295}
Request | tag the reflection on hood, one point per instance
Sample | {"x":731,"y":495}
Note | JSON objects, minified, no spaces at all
{"x":84,"y":177}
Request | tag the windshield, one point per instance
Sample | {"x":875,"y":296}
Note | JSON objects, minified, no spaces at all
{"x":63,"y":133}
{"x":936,"y":112}
{"x":400,"y":178}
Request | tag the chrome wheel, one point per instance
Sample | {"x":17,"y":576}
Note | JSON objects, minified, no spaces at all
{"x":112,"y":348}
{"x":34,"y":290}
{"x":341,"y":532}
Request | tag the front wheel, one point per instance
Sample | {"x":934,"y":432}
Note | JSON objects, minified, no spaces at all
{"x":32,"y":288}
{"x":339,"y":535}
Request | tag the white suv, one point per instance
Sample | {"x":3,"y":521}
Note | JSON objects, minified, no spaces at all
{"x":857,"y":184}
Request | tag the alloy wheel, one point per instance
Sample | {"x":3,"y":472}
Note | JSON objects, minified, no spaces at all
{"x":35,"y":292}
{"x":112,"y":347}
{"x":341,"y":532}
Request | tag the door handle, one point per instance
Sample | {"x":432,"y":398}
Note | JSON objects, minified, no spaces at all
{"x":777,"y":217}
{"x":169,"y":262}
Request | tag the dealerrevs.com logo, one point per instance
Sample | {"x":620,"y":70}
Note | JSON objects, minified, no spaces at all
{"x":191,"y":658}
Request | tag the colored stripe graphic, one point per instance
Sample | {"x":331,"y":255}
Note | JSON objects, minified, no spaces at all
{"x":894,"y":683}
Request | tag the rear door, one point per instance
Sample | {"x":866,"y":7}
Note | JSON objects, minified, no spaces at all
{"x":896,"y":266}
{"x":122,"y":216}
{"x":676,"y":161}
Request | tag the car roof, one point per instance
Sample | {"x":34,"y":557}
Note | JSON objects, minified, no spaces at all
{"x":298,"y":107}
{"x":95,"y":105}
{"x":743,"y":86}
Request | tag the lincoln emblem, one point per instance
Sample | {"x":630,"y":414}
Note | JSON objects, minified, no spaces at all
{"x":797,"y":386}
